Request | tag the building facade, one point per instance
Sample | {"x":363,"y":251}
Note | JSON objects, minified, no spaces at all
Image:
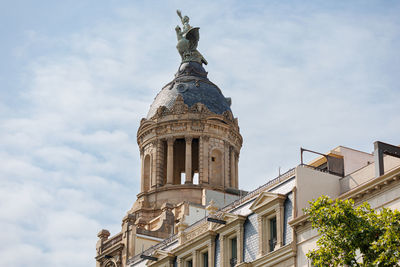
{"x":190,"y":212}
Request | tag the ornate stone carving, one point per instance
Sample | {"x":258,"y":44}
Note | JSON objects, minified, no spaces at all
{"x":161,"y":130}
{"x":103,"y":234}
{"x":178,"y":127}
{"x":179,"y":106}
{"x":197,"y":126}
{"x":228,"y":115}
{"x":197,"y":231}
{"x":205,"y":138}
{"x":170,"y":141}
{"x":161,"y":112}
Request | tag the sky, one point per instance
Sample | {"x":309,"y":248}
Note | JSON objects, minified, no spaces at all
{"x":76,"y":77}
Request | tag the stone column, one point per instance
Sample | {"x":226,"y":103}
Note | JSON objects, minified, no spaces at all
{"x":159,"y":162}
{"x":170,"y":161}
{"x":204,"y":168}
{"x":153,"y":173}
{"x":141,"y":170}
{"x":188,"y":160}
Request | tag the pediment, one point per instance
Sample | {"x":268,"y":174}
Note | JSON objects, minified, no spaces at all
{"x":266,"y":199}
{"x":160,"y":253}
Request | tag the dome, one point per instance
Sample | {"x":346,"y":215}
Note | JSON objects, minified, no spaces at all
{"x":192,"y":84}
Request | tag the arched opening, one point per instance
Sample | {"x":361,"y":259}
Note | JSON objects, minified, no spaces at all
{"x":183,"y":177}
{"x":216,"y":167}
{"x":146,"y":172}
{"x":179,"y":160}
{"x":196,"y":178}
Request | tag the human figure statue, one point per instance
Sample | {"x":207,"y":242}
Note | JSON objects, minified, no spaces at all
{"x":188,"y":38}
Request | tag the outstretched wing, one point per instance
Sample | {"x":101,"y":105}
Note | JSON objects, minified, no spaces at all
{"x":193,"y":36}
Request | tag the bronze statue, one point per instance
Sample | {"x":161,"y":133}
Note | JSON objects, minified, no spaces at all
{"x":188,"y":38}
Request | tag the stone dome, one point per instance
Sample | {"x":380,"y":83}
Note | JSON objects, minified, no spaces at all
{"x":192,"y":84}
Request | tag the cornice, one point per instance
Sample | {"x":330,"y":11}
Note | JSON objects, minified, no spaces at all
{"x":372,"y":185}
{"x":202,"y":238}
{"x":276,"y":256}
{"x":109,"y":251}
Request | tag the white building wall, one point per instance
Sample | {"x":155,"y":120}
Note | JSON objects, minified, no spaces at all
{"x":312,"y":184}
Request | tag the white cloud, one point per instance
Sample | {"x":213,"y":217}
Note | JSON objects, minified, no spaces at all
{"x":303,"y":75}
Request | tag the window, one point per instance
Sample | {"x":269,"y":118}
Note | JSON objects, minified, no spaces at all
{"x":270,"y":212}
{"x":204,"y":257}
{"x":233,"y":251}
{"x":272,"y":234}
{"x":189,"y":263}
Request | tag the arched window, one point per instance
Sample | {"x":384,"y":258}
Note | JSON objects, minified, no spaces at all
{"x":216,"y":167}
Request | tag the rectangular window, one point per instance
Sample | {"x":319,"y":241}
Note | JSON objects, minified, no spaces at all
{"x":233,"y":259}
{"x":272,"y":234}
{"x":205,"y":259}
{"x":189,"y":263}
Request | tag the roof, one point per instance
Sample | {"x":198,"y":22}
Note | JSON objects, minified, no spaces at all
{"x":192,"y":84}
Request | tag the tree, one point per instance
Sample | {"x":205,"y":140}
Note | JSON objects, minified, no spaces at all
{"x":354,"y":236}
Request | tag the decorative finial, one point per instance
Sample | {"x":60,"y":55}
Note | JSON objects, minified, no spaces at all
{"x":188,"y":38}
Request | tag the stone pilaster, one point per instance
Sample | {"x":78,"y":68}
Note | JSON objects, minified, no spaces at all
{"x":262,"y":239}
{"x":222,"y":247}
{"x":240,"y":242}
{"x":226,"y":165}
{"x":279,"y":226}
{"x":170,"y":161}
{"x":237,"y":169}
{"x":204,"y":167}
{"x":232,"y":162}
{"x":195,"y":258}
{"x":141,"y":170}
{"x":211,"y":253}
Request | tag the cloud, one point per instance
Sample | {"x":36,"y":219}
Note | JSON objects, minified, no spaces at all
{"x":312,"y":75}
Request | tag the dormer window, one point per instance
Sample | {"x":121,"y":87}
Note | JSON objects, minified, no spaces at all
{"x":269,"y":208}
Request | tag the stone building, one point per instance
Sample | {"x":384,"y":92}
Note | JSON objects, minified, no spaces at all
{"x":190,"y":212}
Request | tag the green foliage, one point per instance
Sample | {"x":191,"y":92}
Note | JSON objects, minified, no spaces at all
{"x":354,"y":236}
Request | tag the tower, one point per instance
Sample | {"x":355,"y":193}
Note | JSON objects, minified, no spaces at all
{"x":189,"y":151}
{"x":189,"y":132}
